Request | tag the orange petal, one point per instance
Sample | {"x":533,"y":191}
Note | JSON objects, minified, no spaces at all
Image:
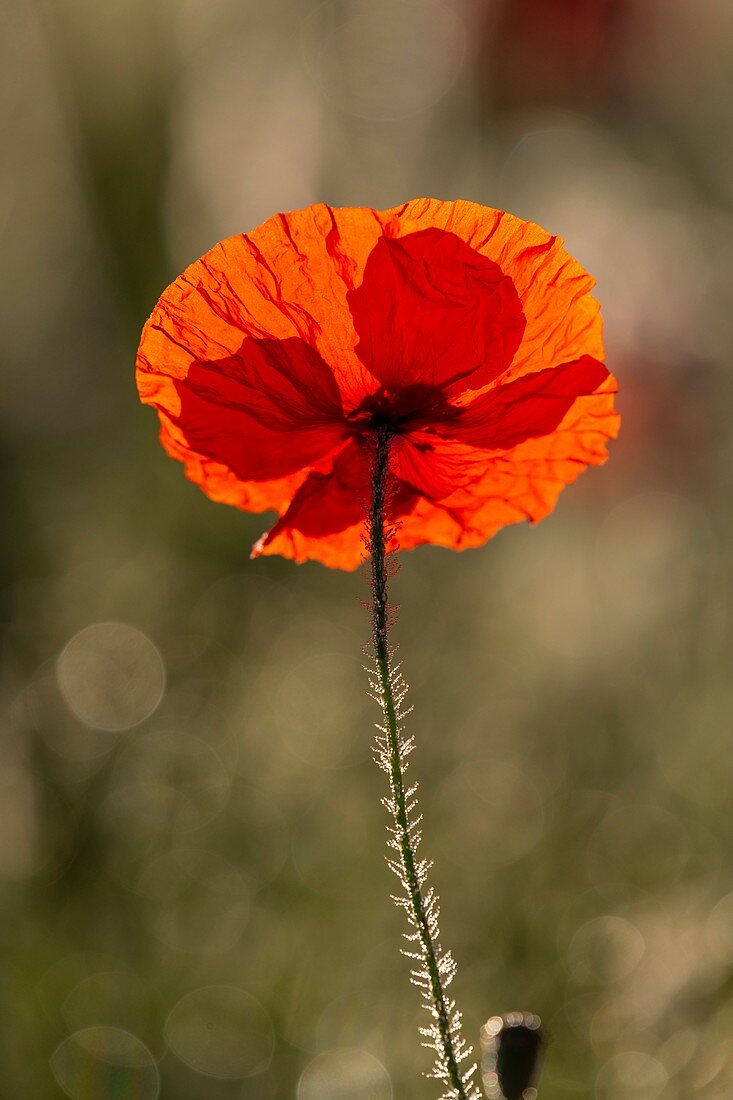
{"x":522,"y":482}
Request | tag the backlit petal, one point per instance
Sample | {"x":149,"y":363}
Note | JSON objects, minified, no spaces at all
{"x":325,"y":520}
{"x":522,"y":482}
{"x":264,"y":412}
{"x":432,"y":311}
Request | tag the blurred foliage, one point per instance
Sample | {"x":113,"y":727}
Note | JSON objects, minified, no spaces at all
{"x":191,"y":844}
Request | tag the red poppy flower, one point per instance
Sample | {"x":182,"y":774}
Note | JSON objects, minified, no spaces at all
{"x":471,"y":333}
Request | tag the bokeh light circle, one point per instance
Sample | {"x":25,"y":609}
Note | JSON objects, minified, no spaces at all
{"x":492,"y":810}
{"x":19,"y":832}
{"x":719,"y":930}
{"x":101,"y":1062}
{"x":221,"y":1031}
{"x":604,"y":950}
{"x":638,"y":846}
{"x":387,"y":60}
{"x":348,"y":1074}
{"x":111,"y":676}
{"x":113,"y":998}
{"x":168,"y":781}
{"x":631,"y":1075}
{"x":320,"y":709}
{"x":196,"y":901}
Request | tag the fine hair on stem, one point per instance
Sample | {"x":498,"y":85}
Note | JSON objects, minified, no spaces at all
{"x":433,"y":967}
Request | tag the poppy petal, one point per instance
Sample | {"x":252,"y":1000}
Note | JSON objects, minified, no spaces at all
{"x":436,"y":466}
{"x":264,"y":412}
{"x":221,"y":484}
{"x":562,"y":317}
{"x":434,"y":311}
{"x":452,"y":452}
{"x":522,"y":482}
{"x":326,"y":518}
{"x":532,"y":405}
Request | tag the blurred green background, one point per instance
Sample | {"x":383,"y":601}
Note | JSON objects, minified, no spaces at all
{"x":194,"y":896}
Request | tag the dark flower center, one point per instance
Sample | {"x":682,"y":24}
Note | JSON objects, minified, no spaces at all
{"x":401,"y":410}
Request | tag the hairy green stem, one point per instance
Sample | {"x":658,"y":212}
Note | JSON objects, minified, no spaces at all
{"x":405,"y":830}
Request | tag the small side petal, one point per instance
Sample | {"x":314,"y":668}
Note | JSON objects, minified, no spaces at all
{"x":221,"y":484}
{"x":522,"y":482}
{"x":325,"y":520}
{"x":263,"y":413}
{"x":533,"y":405}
